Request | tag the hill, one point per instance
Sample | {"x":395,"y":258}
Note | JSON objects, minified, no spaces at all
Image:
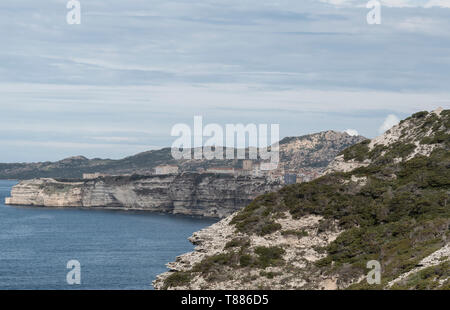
{"x":313,"y":151}
{"x":385,"y":199}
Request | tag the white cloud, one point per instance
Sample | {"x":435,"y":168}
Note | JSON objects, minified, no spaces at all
{"x":336,"y":2}
{"x":352,"y":132}
{"x":390,"y":121}
{"x":74,"y":145}
{"x":424,"y":25}
{"x":398,"y":3}
{"x":127,"y":76}
{"x":392,"y":3}
{"x":438,"y":3}
{"x":115,"y":139}
{"x":144,"y":101}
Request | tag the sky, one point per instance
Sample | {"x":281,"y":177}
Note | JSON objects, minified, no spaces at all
{"x":115,"y":84}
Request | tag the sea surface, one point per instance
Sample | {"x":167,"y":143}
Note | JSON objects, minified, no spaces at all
{"x":116,"y":249}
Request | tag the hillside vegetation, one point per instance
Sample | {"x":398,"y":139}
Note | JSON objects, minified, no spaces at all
{"x":394,"y":208}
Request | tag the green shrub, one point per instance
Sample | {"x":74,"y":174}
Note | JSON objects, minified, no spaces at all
{"x":399,"y":150}
{"x":215,"y":263}
{"x":420,"y":114}
{"x":237,"y":242}
{"x":269,"y":256}
{"x":269,"y":275}
{"x":292,"y":232}
{"x":269,"y":228}
{"x":245,"y":260}
{"x":427,"y":279}
{"x":358,"y":152}
{"x":178,"y":278}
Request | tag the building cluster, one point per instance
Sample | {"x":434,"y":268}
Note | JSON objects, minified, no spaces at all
{"x":249,"y":168}
{"x":166,"y":169}
{"x":253,"y":169}
{"x":90,"y":176}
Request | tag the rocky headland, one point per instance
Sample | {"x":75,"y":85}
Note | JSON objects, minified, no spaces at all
{"x":385,"y":199}
{"x":210,"y":195}
{"x":186,"y":192}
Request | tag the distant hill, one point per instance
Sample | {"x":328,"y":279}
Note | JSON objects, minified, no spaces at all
{"x":313,"y":151}
{"x":383,"y":201}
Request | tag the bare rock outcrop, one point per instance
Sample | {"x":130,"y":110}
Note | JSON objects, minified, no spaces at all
{"x":214,"y":239}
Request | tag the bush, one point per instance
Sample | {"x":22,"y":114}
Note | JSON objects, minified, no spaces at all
{"x":215,"y":263}
{"x":269,"y":256}
{"x":358,"y":152}
{"x":420,"y":114}
{"x":268,"y":275}
{"x":399,"y":150}
{"x":178,"y":278}
{"x":245,"y":260}
{"x":238,"y":242}
{"x":269,"y":228}
{"x":292,"y":232}
{"x":427,"y":279}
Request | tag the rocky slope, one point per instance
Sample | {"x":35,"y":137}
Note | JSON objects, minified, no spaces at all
{"x":313,"y":151}
{"x":189,"y":193}
{"x":419,"y":134}
{"x":384,"y":199}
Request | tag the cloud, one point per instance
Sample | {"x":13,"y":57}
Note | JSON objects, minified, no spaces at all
{"x":352,"y":132}
{"x":337,"y":2}
{"x":72,"y":145}
{"x":438,"y":3}
{"x":390,"y":121}
{"x":277,"y":45}
{"x":392,"y":3}
{"x":134,"y":68}
{"x":115,"y":139}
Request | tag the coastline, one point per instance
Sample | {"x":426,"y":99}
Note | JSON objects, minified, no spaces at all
{"x":206,"y":195}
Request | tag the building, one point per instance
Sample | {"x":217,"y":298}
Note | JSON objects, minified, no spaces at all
{"x":242,"y":172}
{"x":90,"y":176}
{"x":247,"y":164}
{"x":166,"y":169}
{"x":301,"y":178}
{"x":290,"y":178}
{"x":256,"y":171}
{"x":269,"y":166}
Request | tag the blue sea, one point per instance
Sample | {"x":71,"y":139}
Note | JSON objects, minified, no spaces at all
{"x":116,"y":249}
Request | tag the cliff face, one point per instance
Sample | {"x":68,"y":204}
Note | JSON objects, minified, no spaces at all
{"x":386,"y":200}
{"x":189,"y":193}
